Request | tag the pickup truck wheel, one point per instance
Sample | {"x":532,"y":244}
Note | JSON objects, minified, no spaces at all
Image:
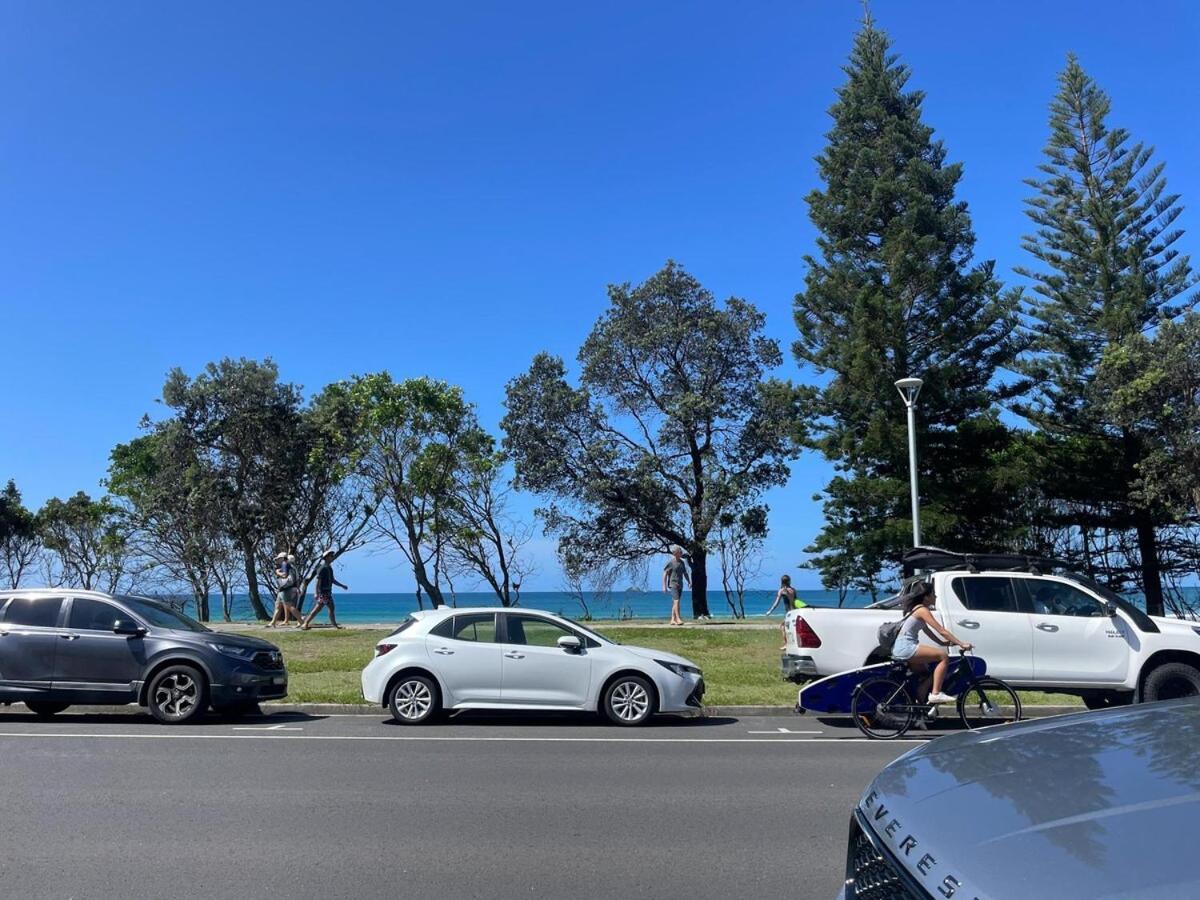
{"x":1105,"y":699}
{"x":1171,"y":681}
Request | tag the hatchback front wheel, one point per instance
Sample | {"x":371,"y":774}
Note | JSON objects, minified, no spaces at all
{"x":629,"y":700}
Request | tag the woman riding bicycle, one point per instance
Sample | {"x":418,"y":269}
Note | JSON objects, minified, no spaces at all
{"x":917,"y":604}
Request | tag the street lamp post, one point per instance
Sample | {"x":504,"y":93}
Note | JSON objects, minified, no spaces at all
{"x":909,"y":388}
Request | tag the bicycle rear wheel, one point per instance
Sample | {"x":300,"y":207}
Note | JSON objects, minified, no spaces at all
{"x":988,"y":701}
{"x":882,"y":709}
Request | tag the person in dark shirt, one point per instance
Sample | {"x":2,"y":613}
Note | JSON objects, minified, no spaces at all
{"x":675,"y":573}
{"x":324,"y":592}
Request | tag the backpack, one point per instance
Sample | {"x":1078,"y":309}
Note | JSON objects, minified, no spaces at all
{"x":888,"y":632}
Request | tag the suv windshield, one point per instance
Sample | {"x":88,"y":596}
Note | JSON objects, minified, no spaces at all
{"x":1140,"y":619}
{"x":161,"y":615}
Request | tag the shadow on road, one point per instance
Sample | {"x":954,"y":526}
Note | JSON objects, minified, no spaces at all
{"x":493,"y":718}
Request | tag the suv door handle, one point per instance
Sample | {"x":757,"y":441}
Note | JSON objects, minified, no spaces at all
{"x":69,"y":637}
{"x":444,"y":651}
{"x":1046,"y":626}
{"x":513,"y":654}
{"x":968,"y":623}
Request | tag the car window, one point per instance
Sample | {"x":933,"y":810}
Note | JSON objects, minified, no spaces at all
{"x":986,"y":593}
{"x":533,"y":631}
{"x":92,"y":615}
{"x":39,"y":611}
{"x":1053,"y":598}
{"x":479,"y":627}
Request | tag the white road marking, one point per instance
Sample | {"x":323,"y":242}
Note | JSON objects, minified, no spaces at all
{"x":266,"y":728}
{"x":275,"y":736}
{"x":784,"y":731}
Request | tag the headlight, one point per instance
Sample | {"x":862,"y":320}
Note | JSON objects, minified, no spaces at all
{"x":234,"y":651}
{"x":678,"y":668}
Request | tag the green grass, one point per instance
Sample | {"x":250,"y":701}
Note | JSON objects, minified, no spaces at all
{"x":741,"y":668}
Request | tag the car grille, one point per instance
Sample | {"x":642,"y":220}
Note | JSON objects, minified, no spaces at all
{"x":696,"y":697}
{"x":871,"y":873}
{"x":268,"y":659}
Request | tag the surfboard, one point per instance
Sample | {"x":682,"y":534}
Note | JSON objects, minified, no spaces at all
{"x":834,"y":693}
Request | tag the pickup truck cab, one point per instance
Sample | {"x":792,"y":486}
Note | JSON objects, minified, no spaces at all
{"x":1036,"y":628}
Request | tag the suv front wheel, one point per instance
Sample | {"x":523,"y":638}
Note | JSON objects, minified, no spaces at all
{"x":177,"y":694}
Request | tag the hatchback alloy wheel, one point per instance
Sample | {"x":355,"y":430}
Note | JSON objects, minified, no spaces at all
{"x":413,"y":700}
{"x":629,"y":701}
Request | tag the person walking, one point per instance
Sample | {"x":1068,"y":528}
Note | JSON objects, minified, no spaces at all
{"x":785,"y":595}
{"x":675,"y":573}
{"x":285,"y":581}
{"x":324,"y":591}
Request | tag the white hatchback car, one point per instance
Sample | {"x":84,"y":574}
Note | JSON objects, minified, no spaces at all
{"x":452,"y":659}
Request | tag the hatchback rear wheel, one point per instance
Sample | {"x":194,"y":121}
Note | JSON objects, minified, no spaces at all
{"x":629,"y":700}
{"x":413,"y":700}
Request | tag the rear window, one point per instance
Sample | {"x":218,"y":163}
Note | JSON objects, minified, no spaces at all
{"x":987,"y":594}
{"x":406,"y":624}
{"x":41,"y":612}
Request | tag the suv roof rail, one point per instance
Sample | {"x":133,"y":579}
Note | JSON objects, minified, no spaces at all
{"x":935,"y":559}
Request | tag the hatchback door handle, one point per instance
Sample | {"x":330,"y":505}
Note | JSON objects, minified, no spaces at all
{"x":968,"y":623}
{"x":69,"y":637}
{"x":1046,"y":626}
{"x":444,"y":651}
{"x":512,"y":654}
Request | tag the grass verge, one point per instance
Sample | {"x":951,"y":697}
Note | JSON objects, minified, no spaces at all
{"x":741,"y":668}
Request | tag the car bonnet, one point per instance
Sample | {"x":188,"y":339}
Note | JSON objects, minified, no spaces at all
{"x":1090,"y":805}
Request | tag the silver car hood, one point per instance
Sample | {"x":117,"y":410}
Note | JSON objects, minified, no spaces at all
{"x":1101,"y":804}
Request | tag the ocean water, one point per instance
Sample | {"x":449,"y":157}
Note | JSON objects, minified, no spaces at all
{"x":360,"y":608}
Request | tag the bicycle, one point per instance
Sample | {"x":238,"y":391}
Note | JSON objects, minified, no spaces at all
{"x":883,"y":707}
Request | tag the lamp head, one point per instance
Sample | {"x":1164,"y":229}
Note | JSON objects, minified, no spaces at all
{"x":909,"y":388}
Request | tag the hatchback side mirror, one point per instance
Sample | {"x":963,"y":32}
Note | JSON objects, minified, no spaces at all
{"x":570,"y":643}
{"x":127,"y":628}
{"x":1110,"y":609}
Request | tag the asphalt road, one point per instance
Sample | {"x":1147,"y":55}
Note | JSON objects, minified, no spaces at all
{"x":295,"y":806}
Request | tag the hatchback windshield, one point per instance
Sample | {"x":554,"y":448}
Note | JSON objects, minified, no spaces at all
{"x":161,"y":615}
{"x":589,"y":632}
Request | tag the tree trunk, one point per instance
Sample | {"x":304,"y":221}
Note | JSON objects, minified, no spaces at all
{"x":699,"y":583}
{"x":1151,"y":569}
{"x":252,"y":583}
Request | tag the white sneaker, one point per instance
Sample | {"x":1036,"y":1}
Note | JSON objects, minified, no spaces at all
{"x":941,"y":698}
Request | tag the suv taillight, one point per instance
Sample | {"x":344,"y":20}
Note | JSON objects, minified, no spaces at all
{"x":381,"y":649}
{"x":805,"y":636}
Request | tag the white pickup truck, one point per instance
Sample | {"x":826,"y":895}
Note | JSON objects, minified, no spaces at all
{"x":1049,"y":632}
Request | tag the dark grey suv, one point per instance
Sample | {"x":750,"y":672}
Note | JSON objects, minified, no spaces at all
{"x":63,"y":647}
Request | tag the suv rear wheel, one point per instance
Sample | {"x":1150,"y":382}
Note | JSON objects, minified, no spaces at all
{"x":177,"y":694}
{"x":45,"y":708}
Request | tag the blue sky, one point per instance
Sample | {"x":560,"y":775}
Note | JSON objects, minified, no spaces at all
{"x":446,"y":190}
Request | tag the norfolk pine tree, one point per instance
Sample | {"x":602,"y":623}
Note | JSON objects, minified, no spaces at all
{"x":893,"y":293}
{"x":1108,"y":271}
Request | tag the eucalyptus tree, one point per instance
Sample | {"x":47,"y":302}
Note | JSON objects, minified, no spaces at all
{"x":674,"y":422}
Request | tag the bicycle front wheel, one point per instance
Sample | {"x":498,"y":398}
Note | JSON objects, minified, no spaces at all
{"x":882,"y":709}
{"x":989,"y":701}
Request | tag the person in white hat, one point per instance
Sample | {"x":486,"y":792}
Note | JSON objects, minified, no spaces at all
{"x":324,"y":592}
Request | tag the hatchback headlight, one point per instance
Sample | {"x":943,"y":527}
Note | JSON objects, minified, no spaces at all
{"x":679,"y":669}
{"x":235,"y":651}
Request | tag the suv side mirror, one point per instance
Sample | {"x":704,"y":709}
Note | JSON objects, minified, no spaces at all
{"x":128,"y":628}
{"x":570,"y":643}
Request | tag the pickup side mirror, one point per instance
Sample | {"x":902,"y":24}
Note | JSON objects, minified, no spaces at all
{"x":570,"y":643}
{"x":128,"y":628}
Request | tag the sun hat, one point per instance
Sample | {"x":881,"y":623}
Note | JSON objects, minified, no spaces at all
{"x":282,"y":554}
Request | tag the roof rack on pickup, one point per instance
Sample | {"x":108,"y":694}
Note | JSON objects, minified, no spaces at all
{"x":935,"y":559}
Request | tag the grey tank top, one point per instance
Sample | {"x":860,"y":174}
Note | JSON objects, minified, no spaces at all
{"x":911,"y":629}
